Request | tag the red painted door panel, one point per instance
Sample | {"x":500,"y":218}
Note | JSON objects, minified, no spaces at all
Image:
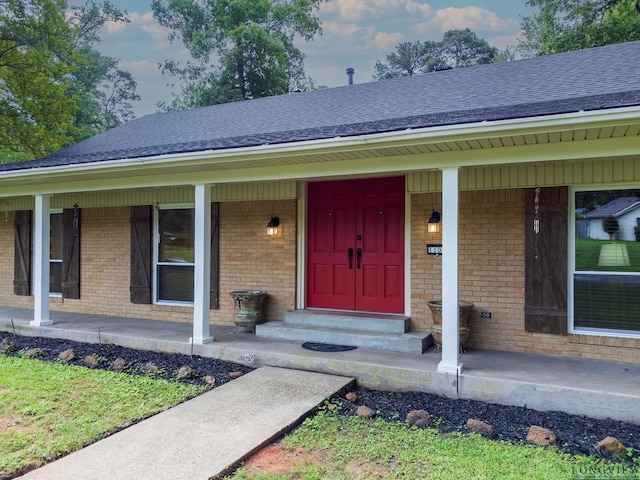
{"x":356,"y":245}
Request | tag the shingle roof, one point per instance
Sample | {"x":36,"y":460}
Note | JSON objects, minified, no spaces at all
{"x":594,"y":79}
{"x":614,"y":208}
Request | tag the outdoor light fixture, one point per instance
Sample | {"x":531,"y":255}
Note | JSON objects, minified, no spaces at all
{"x":433,"y":225}
{"x":272,"y":226}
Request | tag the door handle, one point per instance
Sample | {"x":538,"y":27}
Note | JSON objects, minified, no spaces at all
{"x":358,"y":257}
{"x":350,"y":257}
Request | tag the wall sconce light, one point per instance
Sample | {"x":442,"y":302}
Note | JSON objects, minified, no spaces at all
{"x":272,"y":226}
{"x":433,"y":225}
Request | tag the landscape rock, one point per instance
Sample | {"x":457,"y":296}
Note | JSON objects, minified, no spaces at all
{"x":119,"y":363}
{"x":150,"y":368}
{"x":33,"y":353}
{"x":419,"y":418}
{"x":480,"y":427}
{"x":210,"y":380}
{"x":612,"y":448}
{"x":235,"y":374}
{"x":365,"y":412}
{"x":352,"y":397}
{"x":541,"y":436}
{"x":91,"y":360}
{"x":67,"y":355}
{"x":184,"y":372}
{"x":7,"y":345}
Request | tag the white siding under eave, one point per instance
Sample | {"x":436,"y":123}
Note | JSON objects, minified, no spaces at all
{"x":602,"y":171}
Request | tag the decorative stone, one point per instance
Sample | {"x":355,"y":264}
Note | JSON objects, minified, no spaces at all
{"x":480,"y":427}
{"x":150,"y":368}
{"x":184,"y":372}
{"x":91,"y":360}
{"x":365,"y":412}
{"x":419,"y":418}
{"x":235,"y":374}
{"x":541,"y":436}
{"x":352,"y":397}
{"x":209,"y":380}
{"x":67,"y":355}
{"x":34,"y":353}
{"x":611,"y":447}
{"x":6,"y":345}
{"x":119,"y":363}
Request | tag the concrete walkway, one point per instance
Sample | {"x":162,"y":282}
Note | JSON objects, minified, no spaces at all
{"x":206,"y":436}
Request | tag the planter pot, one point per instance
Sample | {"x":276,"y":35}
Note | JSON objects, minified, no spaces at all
{"x":436,"y":330}
{"x":249,"y":305}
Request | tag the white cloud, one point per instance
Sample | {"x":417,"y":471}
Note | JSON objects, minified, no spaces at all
{"x":477,"y":19}
{"x":139,"y":67}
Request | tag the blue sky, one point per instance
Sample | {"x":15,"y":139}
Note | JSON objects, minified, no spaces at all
{"x":356,"y":33}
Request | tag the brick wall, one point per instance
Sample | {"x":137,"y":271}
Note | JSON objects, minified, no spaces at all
{"x":492,"y":277}
{"x":249,"y":260}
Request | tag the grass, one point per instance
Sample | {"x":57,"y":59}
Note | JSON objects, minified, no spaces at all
{"x":588,"y":254}
{"x":50,"y":409}
{"x":356,"y":449}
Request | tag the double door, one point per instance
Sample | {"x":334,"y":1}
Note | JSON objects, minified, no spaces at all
{"x":356,"y":245}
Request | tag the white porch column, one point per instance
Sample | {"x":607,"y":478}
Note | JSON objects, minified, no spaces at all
{"x":202,"y":268}
{"x":450,"y":218}
{"x":41,"y":261}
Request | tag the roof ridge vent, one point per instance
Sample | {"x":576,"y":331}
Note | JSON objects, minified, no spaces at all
{"x":350,"y":72}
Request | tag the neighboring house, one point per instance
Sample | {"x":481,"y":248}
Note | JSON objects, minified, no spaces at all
{"x":162,"y":217}
{"x":626,"y":211}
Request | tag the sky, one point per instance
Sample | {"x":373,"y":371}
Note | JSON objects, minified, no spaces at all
{"x":355,"y":33}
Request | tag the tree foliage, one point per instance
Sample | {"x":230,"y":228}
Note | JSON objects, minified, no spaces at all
{"x":55,"y":88}
{"x":241,"y":49}
{"x":104,"y":92}
{"x":36,"y":57}
{"x":566,"y":25}
{"x":458,"y":48}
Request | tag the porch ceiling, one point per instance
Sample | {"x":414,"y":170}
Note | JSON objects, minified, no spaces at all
{"x":575,"y":136}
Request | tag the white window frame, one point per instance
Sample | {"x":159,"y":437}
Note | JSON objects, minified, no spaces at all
{"x":156,"y":251}
{"x":572,"y":329}
{"x":55,"y":211}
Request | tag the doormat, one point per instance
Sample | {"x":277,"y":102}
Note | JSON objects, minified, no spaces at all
{"x":326,"y":347}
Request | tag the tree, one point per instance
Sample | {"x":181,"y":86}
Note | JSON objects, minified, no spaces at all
{"x":55,"y":88}
{"x":104,"y":92}
{"x":566,"y":25}
{"x":463,"y":48}
{"x":406,"y":61}
{"x":458,"y":48}
{"x":36,"y":56}
{"x":241,"y":49}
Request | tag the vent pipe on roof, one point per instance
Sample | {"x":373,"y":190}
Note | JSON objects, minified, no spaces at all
{"x":350,"y":72}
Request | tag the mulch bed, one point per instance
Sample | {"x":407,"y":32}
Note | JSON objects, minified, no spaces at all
{"x":575,"y":434}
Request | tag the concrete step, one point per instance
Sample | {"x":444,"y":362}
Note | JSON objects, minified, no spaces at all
{"x":411,"y":342}
{"x":363,"y":322}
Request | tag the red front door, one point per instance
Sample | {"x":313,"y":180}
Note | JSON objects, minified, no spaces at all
{"x":356,"y":245}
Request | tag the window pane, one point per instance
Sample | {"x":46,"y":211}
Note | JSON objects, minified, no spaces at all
{"x":607,"y":237}
{"x":55,"y":237}
{"x":55,"y":277}
{"x":607,"y":302}
{"x":176,"y":229}
{"x":175,"y":283}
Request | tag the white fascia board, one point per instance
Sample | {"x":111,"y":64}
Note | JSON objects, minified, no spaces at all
{"x":459,"y":132}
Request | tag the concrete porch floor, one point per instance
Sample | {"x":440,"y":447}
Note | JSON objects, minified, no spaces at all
{"x":595,"y":388}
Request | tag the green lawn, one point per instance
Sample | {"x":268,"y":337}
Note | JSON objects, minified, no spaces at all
{"x":588,"y":254}
{"x":329,"y":447}
{"x":50,"y":409}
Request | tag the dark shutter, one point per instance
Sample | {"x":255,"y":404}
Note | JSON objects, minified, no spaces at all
{"x":71,"y":253}
{"x":215,"y":256}
{"x":22,"y":253}
{"x":141,"y":241}
{"x":546,"y":262}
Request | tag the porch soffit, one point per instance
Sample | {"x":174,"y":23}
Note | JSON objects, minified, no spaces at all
{"x":610,"y":140}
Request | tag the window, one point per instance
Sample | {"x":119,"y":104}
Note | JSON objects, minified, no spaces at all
{"x":606,"y":262}
{"x":174,"y":255}
{"x":55,"y":254}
